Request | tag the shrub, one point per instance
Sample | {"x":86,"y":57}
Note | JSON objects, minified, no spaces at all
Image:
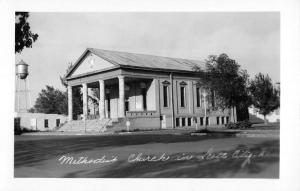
{"x":239,"y":125}
{"x":203,"y":131}
{"x":18,"y":130}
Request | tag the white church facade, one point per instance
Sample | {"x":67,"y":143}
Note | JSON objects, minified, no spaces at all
{"x":153,"y":92}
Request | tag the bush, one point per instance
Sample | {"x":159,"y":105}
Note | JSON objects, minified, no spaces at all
{"x":239,"y":125}
{"x":25,"y":130}
{"x":18,"y":130}
{"x":203,"y":131}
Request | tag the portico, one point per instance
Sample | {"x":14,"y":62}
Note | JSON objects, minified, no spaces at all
{"x":116,"y":97}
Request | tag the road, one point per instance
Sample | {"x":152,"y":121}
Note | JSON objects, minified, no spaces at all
{"x":146,"y":155}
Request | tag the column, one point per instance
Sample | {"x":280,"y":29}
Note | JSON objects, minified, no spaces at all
{"x":70,"y":104}
{"x":157,"y":96}
{"x":85,"y":99}
{"x":121,"y":107}
{"x":102,"y":99}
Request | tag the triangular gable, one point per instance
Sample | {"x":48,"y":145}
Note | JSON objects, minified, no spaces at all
{"x":89,"y":63}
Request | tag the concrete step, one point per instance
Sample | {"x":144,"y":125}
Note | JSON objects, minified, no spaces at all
{"x":94,"y":125}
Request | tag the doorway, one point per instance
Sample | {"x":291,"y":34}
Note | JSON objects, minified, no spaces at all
{"x":163,"y":121}
{"x":108,"y":105}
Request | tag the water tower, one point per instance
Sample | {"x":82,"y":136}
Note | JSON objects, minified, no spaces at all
{"x":23,"y":102}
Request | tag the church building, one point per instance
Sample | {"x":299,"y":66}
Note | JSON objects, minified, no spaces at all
{"x":152,"y":92}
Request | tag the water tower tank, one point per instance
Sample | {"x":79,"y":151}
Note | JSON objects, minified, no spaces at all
{"x":22,"y":69}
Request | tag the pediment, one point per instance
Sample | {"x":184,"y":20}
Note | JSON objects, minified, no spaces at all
{"x":90,"y":63}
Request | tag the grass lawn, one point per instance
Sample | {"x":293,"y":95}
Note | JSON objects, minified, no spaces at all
{"x":147,"y":155}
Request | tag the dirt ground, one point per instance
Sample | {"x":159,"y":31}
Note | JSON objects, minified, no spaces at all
{"x":147,"y":156}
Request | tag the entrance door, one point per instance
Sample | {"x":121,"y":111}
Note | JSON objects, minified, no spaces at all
{"x":108,"y":105}
{"x":163,"y":121}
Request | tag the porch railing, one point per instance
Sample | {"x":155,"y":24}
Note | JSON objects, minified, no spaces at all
{"x":140,"y":113}
{"x":92,"y":117}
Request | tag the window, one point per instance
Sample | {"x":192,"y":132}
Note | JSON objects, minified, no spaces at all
{"x":108,"y":101}
{"x":222,"y":120}
{"x":177,"y":122}
{"x":182,"y":96}
{"x":183,"y":122}
{"x":57,"y":122}
{"x":46,"y":123}
{"x":166,"y":95}
{"x":201,"y":120}
{"x":126,"y":105}
{"x":207,"y":120}
{"x":218,"y":120}
{"x":189,"y":122}
{"x":144,"y":93}
{"x":198,"y":96}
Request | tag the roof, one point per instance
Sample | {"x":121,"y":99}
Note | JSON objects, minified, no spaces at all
{"x":22,"y":63}
{"x":143,"y":61}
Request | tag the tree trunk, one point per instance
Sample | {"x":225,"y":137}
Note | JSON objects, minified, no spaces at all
{"x":265,"y":119}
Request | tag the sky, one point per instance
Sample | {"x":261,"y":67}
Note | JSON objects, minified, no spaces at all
{"x":250,"y":38}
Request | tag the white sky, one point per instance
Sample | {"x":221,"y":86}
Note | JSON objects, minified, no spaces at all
{"x":252,"y":39}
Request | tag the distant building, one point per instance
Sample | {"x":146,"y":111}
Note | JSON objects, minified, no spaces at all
{"x":151,"y":91}
{"x":40,"y":121}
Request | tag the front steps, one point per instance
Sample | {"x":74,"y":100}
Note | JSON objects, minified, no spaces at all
{"x":89,"y":126}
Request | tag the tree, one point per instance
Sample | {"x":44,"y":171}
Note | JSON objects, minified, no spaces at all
{"x":265,"y":97}
{"x":51,"y":100}
{"x":224,"y":76}
{"x":23,"y":35}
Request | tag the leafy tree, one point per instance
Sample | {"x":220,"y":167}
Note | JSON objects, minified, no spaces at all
{"x":23,"y":35}
{"x":51,"y":100}
{"x":63,"y":79}
{"x":265,"y":96}
{"x":224,"y":76}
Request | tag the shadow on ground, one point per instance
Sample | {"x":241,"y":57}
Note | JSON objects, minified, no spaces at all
{"x":197,"y":169}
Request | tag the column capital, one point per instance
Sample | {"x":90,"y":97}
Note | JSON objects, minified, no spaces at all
{"x":121,"y":77}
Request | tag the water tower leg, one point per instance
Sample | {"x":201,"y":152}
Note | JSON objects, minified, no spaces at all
{"x":18,"y":92}
{"x":29,"y":94}
{"x":25,"y":91}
